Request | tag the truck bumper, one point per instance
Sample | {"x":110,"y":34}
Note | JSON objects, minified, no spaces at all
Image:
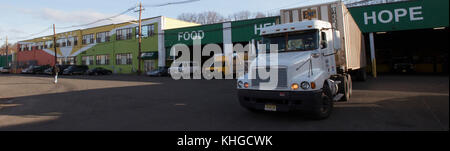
{"x":285,"y":101}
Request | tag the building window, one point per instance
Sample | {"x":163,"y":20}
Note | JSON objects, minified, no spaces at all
{"x":147,"y":31}
{"x":61,"y":42}
{"x":41,"y":45}
{"x":75,"y":41}
{"x":66,"y":61}
{"x":69,"y":41}
{"x":124,"y":59}
{"x":88,"y":39}
{"x":102,"y":37}
{"x":124,"y":34}
{"x":87,"y":60}
{"x":102,"y":60}
{"x":49,"y":44}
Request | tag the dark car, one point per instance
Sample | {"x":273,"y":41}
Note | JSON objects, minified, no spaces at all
{"x":40,"y":69}
{"x":76,"y":69}
{"x":49,"y":71}
{"x":5,"y":69}
{"x":402,"y":65}
{"x":29,"y":69}
{"x":160,"y":72}
{"x":99,"y":71}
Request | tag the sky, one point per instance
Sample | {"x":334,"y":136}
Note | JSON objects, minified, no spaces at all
{"x":25,"y":19}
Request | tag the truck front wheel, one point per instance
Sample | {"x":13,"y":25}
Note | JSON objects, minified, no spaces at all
{"x":343,"y":87}
{"x":325,"y":107}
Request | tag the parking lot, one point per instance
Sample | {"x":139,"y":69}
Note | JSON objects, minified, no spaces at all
{"x":127,"y":102}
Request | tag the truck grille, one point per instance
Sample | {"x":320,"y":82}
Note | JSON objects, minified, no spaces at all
{"x":282,"y":78}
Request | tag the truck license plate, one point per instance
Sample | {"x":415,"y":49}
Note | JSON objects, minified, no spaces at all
{"x":270,"y":107}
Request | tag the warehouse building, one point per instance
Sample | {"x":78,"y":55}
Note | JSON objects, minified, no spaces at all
{"x":114,"y":47}
{"x":406,"y":37}
{"x":5,"y":60}
{"x":232,"y":32}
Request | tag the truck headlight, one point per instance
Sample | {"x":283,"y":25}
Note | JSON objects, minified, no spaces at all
{"x":240,"y":84}
{"x":245,"y":85}
{"x":305,"y":85}
{"x":294,"y":86}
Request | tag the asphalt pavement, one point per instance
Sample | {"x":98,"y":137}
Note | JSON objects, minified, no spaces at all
{"x":131,"y":103}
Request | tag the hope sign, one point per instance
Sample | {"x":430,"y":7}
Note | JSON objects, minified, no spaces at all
{"x":414,"y":15}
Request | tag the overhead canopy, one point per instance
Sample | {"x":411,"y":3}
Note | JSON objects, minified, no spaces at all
{"x":149,"y":56}
{"x":409,"y":15}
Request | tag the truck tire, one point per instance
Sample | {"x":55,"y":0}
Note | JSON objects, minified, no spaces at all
{"x":326,"y":105}
{"x":343,"y":88}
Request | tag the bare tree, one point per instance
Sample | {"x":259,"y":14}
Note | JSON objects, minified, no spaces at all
{"x":259,"y":15}
{"x":11,"y":48}
{"x":270,"y":14}
{"x":242,"y":15}
{"x":211,"y":17}
{"x":189,"y":17}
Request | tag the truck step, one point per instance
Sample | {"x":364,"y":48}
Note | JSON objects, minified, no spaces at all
{"x":338,"y":97}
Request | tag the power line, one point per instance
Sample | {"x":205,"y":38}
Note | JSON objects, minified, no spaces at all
{"x":290,"y":5}
{"x":31,"y":35}
{"x":126,"y":11}
{"x":100,"y":20}
{"x":171,"y":3}
{"x":108,"y":18}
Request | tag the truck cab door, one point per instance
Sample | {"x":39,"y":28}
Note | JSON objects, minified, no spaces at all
{"x":327,"y":50}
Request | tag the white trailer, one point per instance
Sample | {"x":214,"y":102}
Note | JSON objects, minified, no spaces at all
{"x":353,"y":58}
{"x":315,"y":54}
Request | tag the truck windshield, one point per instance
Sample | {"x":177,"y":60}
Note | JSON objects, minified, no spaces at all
{"x":295,"y":41}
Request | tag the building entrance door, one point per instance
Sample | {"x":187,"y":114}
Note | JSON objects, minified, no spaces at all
{"x":149,"y":65}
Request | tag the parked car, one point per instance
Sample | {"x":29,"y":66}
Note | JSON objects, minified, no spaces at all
{"x":76,"y":69}
{"x":30,"y":70}
{"x":159,"y":73}
{"x":5,"y":69}
{"x":49,"y":71}
{"x":402,"y":65}
{"x":40,"y":69}
{"x":185,"y":68}
{"x":99,"y":71}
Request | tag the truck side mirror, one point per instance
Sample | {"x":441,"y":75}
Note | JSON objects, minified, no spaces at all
{"x":323,"y":41}
{"x":323,"y":44}
{"x":337,"y":40}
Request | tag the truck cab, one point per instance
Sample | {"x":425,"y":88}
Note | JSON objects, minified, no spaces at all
{"x":307,"y":77}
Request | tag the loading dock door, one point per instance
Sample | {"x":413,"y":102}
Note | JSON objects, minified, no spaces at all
{"x":412,"y":51}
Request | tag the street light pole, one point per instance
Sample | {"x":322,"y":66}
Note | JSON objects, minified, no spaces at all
{"x":140,"y":39}
{"x":6,"y":52}
{"x":54,"y":46}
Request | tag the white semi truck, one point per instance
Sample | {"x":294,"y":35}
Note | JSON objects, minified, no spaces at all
{"x":318,"y":47}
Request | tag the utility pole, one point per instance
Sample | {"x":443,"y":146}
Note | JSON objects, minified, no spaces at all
{"x":140,"y":38}
{"x":54,"y":46}
{"x":6,"y":52}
